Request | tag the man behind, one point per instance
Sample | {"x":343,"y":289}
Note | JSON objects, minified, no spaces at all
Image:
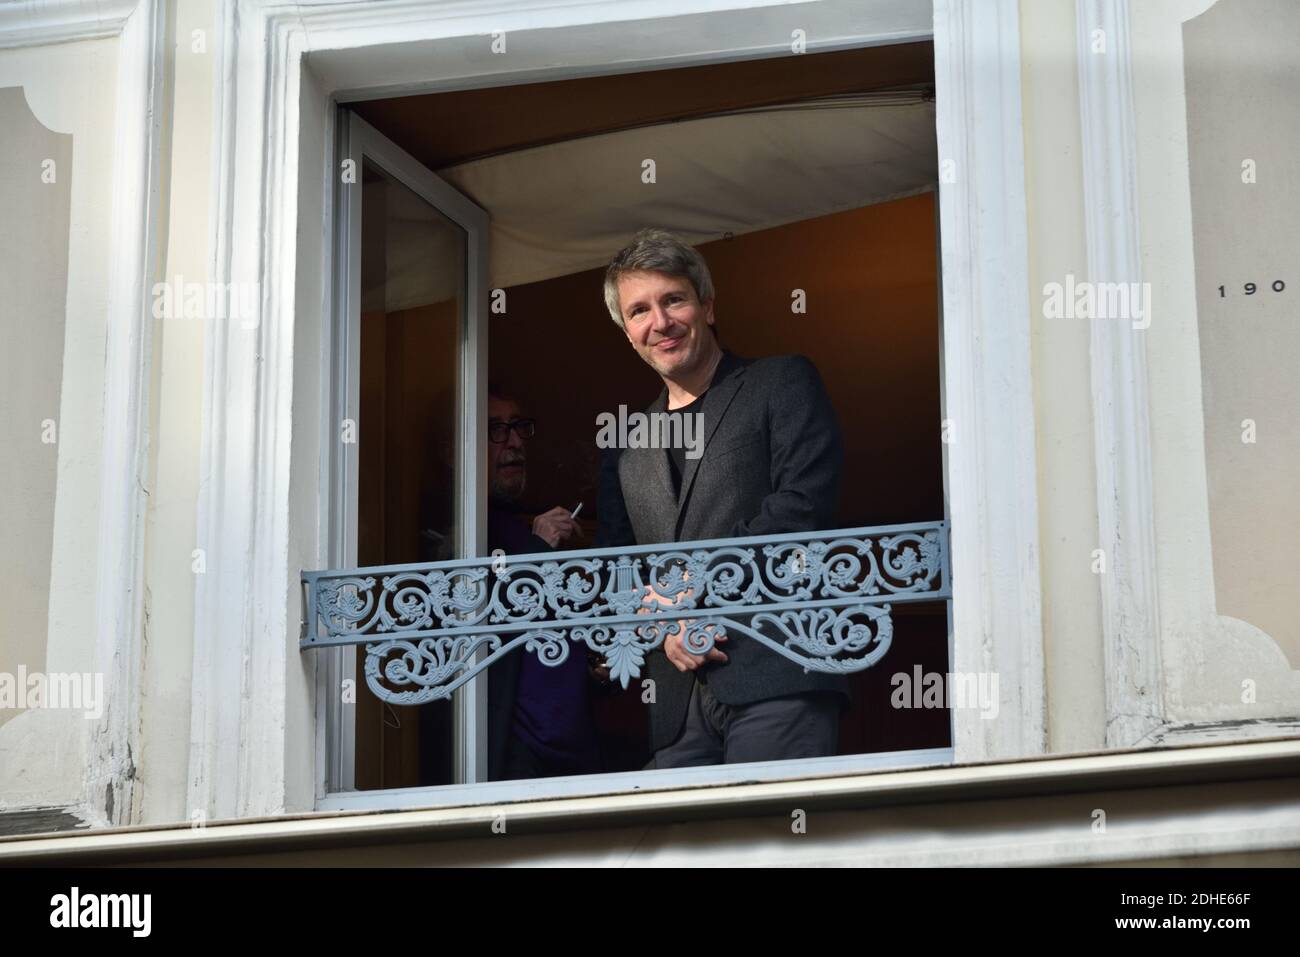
{"x":771,"y":463}
{"x":540,"y":722}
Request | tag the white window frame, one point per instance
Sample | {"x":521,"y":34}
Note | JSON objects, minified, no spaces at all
{"x":258,"y":751}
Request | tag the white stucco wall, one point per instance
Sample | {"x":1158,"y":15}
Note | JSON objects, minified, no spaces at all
{"x":1207,"y":660}
{"x":1246,"y":222}
{"x":69,"y":88}
{"x":36,"y":190}
{"x":1215,"y":668}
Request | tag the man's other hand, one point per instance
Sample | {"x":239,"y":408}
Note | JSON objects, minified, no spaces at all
{"x":675,"y":649}
{"x":556,"y":526}
{"x":675,"y":644}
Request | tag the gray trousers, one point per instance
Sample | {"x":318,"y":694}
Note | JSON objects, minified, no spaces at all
{"x":798,"y":726}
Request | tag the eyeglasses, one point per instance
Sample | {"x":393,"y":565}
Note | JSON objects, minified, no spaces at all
{"x":499,"y":431}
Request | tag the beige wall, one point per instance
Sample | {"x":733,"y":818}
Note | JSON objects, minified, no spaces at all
{"x":69,"y":90}
{"x":1243,"y":80}
{"x":1227,"y":523}
{"x":1217,"y":664}
{"x":33,"y":288}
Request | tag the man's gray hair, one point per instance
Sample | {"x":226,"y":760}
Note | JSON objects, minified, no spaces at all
{"x":659,"y":251}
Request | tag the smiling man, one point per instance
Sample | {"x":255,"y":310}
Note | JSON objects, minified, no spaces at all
{"x":771,"y":463}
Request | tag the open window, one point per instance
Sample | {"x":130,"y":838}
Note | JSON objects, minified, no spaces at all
{"x":475,"y":250}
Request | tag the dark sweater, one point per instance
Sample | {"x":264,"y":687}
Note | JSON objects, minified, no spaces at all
{"x":551,"y":711}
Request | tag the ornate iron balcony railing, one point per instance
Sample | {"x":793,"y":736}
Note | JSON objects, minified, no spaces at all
{"x":821,"y":599}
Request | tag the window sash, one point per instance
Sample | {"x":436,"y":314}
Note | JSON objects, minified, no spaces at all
{"x":359,"y":142}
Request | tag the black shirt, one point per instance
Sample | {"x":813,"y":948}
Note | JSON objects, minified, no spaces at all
{"x":677,"y":452}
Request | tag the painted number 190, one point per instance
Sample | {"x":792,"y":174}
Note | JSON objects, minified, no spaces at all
{"x":1250,"y":288}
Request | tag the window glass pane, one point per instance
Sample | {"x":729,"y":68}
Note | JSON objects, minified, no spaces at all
{"x":413,"y":266}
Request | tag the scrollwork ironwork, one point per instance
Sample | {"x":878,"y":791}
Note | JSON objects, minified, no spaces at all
{"x":822,"y":600}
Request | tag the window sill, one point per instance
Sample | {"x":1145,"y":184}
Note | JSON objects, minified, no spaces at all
{"x":1025,"y":812}
{"x":632,"y":782}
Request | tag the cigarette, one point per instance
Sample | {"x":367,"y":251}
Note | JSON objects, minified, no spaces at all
{"x":574,"y":513}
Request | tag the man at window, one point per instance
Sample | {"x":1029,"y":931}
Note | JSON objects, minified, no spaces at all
{"x":770,"y":463}
{"x":540,"y":722}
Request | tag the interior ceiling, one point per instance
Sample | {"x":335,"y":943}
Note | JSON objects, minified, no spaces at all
{"x":736,"y":147}
{"x":446,"y":129}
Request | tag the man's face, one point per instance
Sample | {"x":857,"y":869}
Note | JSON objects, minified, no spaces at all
{"x":665,"y":322}
{"x":508,"y":460}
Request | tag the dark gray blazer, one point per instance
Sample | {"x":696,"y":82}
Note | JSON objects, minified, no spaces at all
{"x":771,"y":463}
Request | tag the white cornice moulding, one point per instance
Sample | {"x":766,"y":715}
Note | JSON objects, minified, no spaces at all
{"x":37,"y":22}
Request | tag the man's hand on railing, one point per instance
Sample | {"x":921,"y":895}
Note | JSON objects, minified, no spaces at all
{"x":674,"y":645}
